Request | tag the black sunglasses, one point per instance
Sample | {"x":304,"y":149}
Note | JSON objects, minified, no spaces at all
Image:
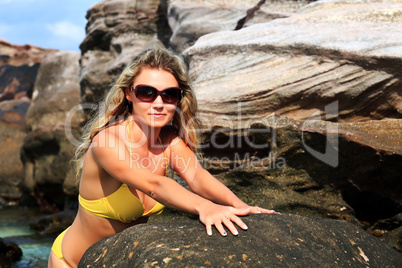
{"x":148,"y":93}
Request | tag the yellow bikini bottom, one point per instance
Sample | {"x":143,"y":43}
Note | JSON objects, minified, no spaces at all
{"x":56,"y":248}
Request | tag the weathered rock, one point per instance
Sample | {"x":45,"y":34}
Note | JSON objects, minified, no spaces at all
{"x":390,"y":230}
{"x":19,"y":66}
{"x":117,"y":30}
{"x":11,"y":168}
{"x":190,"y":20}
{"x":53,"y":225}
{"x":312,"y":168}
{"x":9,"y":253}
{"x":47,"y":149}
{"x":270,"y":241}
{"x":297,"y":66}
{"x":394,"y":238}
{"x":16,"y":55}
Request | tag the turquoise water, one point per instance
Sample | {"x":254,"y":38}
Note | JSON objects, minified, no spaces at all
{"x":14,"y":226}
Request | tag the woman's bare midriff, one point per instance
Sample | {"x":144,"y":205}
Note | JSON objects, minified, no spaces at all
{"x":86,"y":230}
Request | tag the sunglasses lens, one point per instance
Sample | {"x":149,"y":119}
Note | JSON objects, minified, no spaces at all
{"x":171,"y":95}
{"x":146,"y":93}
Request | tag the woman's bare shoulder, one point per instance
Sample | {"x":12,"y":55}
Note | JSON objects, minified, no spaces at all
{"x":106,"y":136}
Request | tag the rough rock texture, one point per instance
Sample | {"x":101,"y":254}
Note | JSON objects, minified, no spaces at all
{"x":189,"y":21}
{"x":9,"y":253}
{"x":334,"y":51}
{"x":270,"y":241}
{"x":334,"y":61}
{"x":53,"y":225}
{"x":19,"y":66}
{"x":389,"y":230}
{"x":313,"y":168}
{"x":116,"y":31}
{"x":48,"y":147}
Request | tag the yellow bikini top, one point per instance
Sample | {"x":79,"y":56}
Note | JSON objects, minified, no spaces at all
{"x":122,"y":205}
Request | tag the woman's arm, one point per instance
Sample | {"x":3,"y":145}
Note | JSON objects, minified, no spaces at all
{"x":112,"y":155}
{"x":200,"y":181}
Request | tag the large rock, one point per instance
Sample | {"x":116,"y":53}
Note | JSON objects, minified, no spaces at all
{"x":190,"y":20}
{"x":47,"y":149}
{"x":117,"y":30}
{"x":10,"y":253}
{"x":334,"y":51}
{"x":19,"y":66}
{"x":270,"y":241}
{"x":314,"y":168}
{"x":333,"y":61}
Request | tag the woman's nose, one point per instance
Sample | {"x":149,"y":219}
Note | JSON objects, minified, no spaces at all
{"x":158,"y":101}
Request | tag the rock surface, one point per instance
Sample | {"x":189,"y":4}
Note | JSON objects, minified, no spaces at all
{"x":9,"y":253}
{"x":47,"y":149}
{"x":116,"y":32}
{"x":19,"y":66}
{"x":312,"y":168}
{"x":334,"y":51}
{"x":270,"y":241}
{"x":189,"y":21}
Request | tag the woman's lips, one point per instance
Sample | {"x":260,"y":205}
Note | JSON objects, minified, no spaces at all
{"x":157,"y":115}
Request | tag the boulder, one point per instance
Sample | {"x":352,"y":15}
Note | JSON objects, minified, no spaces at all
{"x":315,"y":168}
{"x":53,"y":225}
{"x":19,"y":66}
{"x":49,"y":144}
{"x":10,"y":253}
{"x":323,"y":88}
{"x":190,"y":20}
{"x":343,"y":51}
{"x":117,"y":30}
{"x":271,"y":241}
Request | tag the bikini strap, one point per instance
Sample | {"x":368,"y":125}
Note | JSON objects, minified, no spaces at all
{"x":129,"y":138}
{"x":160,"y":142}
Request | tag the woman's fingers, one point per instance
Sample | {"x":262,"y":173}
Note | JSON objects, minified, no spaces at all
{"x":230,"y":218}
{"x":220,"y":228}
{"x":227,"y":222}
{"x":209,"y":229}
{"x":239,"y":222}
{"x":258,"y":210}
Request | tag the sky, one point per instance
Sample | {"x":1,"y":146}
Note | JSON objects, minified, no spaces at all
{"x":58,"y":24}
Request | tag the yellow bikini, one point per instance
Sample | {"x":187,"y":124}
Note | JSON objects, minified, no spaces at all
{"x":121,"y":205}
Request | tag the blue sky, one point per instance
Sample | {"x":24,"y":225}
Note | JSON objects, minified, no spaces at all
{"x":58,"y":24}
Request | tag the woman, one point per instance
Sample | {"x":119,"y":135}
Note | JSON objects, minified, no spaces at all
{"x":126,"y":150}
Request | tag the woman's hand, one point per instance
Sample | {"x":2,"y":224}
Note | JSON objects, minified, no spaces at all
{"x":258,"y":210}
{"x":221,"y":216}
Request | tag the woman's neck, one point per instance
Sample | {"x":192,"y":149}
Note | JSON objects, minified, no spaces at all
{"x":142,"y":134}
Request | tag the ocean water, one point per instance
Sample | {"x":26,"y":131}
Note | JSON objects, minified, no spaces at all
{"x":14,"y":227}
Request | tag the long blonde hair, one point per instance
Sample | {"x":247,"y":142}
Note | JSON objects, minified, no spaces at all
{"x":115,"y":108}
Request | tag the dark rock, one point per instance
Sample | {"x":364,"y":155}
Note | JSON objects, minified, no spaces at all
{"x":52,"y":225}
{"x":19,"y":66}
{"x":270,"y":241}
{"x":9,"y":253}
{"x":394,"y":238}
{"x":53,"y":121}
{"x":312,"y":168}
{"x":390,"y":230}
{"x":11,"y":168}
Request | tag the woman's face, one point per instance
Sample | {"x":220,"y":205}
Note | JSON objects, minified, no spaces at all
{"x":156,"y":113}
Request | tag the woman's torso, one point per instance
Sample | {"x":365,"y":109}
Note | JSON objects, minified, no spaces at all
{"x":96,"y":184}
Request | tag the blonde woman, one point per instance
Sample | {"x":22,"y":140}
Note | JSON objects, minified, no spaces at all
{"x":145,"y":125}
